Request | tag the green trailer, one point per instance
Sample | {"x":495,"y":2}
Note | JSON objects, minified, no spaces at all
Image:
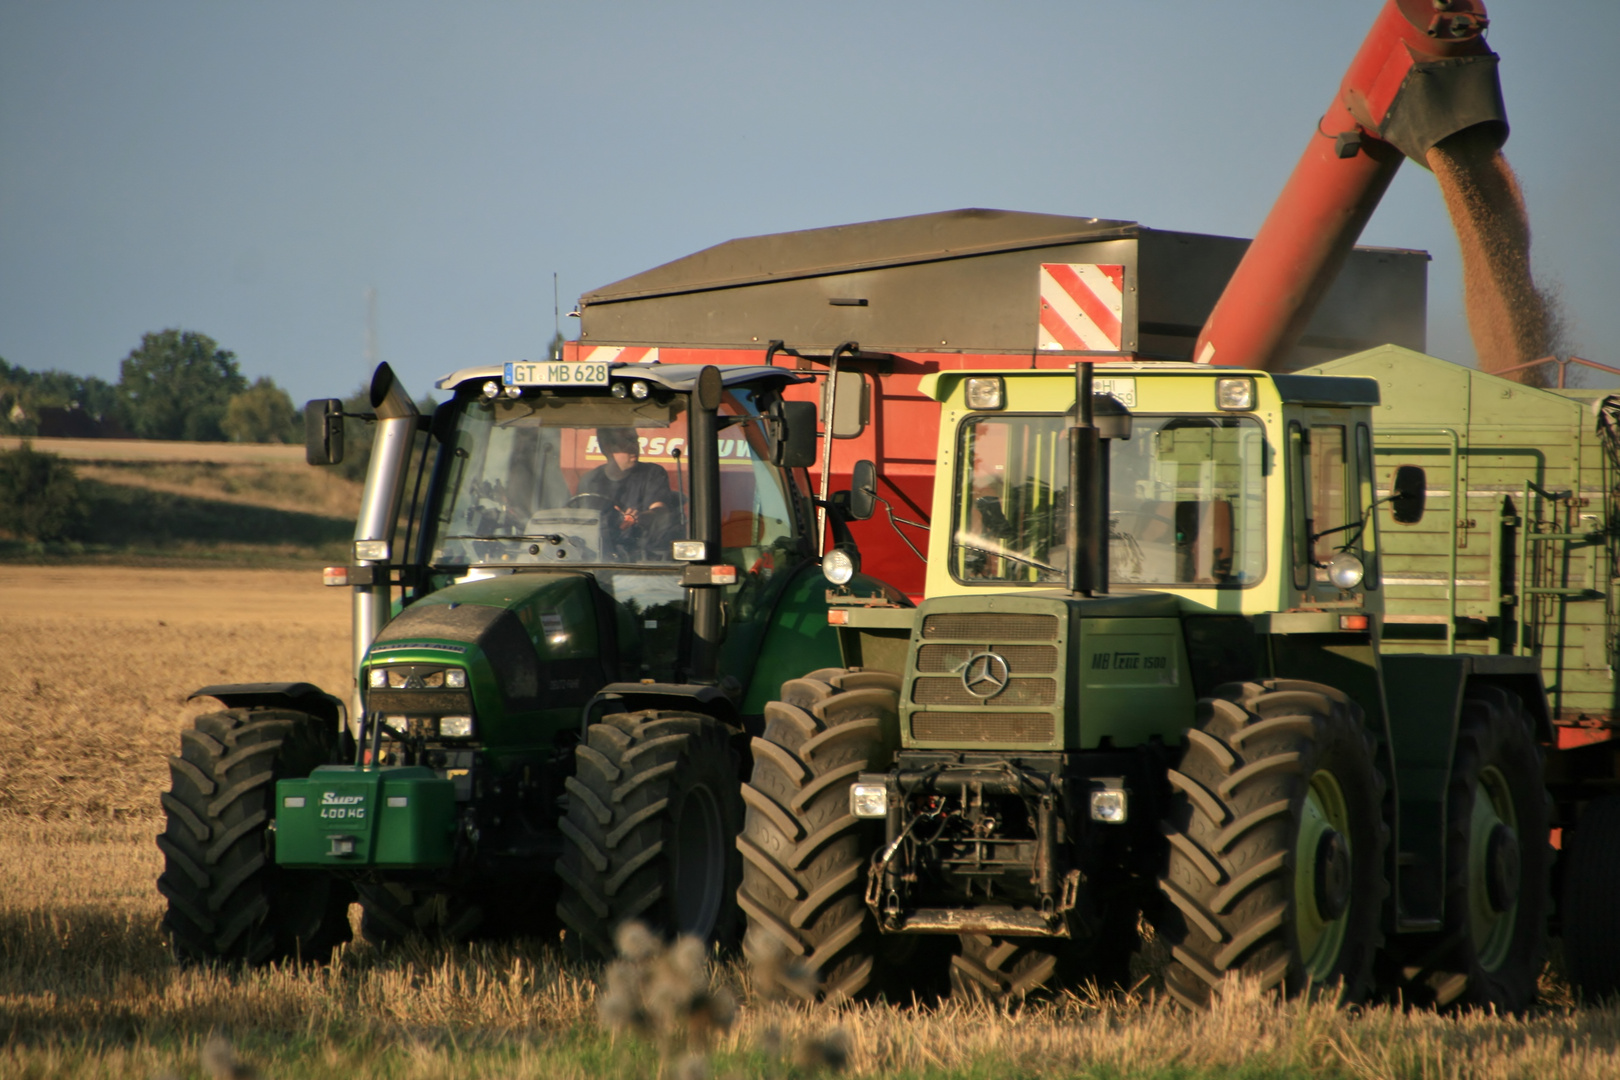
{"x":1517,"y":557}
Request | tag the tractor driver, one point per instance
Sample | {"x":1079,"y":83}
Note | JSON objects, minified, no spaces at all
{"x":634,"y":495}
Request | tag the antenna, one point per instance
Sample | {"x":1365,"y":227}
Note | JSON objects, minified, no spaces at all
{"x":371,"y":330}
{"x":556,"y":318}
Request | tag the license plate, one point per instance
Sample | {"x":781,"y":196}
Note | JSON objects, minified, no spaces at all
{"x":1123,"y":389}
{"x":555,"y":373}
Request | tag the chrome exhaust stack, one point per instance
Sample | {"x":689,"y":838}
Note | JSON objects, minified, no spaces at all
{"x":374,"y":530}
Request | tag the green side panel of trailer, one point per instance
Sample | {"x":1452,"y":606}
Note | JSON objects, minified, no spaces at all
{"x":1513,"y":555}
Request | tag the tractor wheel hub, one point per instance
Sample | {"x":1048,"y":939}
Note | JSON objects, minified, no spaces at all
{"x":1332,"y":875}
{"x":1502,"y":868}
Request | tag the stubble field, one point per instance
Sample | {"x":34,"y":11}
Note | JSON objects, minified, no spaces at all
{"x":97,"y":662}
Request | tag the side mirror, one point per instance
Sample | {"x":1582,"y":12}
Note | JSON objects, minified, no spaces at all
{"x":850,"y":404}
{"x":862,"y":491}
{"x":323,"y":431}
{"x":1112,"y":418}
{"x":793,"y":434}
{"x":1410,"y":491}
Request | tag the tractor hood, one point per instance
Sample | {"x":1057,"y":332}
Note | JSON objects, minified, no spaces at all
{"x":534,"y":637}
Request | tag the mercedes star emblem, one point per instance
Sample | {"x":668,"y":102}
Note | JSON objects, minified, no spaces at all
{"x":985,"y":675}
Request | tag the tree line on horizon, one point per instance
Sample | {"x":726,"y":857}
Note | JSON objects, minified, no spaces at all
{"x":177,"y":384}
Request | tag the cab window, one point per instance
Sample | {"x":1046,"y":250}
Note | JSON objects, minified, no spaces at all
{"x":1187,"y":501}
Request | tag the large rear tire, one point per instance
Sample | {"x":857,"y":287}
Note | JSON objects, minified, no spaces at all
{"x":1591,"y":913}
{"x":1498,"y":864}
{"x":652,"y":812}
{"x":228,"y":901}
{"x":810,"y":933}
{"x":1277,"y":843}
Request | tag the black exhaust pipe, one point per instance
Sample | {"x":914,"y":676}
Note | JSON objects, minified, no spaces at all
{"x":703,"y":648}
{"x":1088,"y":500}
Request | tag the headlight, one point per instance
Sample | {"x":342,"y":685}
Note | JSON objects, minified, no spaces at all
{"x":984,"y":392}
{"x":371,"y":551}
{"x":638,"y":390}
{"x":1345,"y":570}
{"x":869,"y":800}
{"x":1109,"y":806}
{"x":455,"y":727}
{"x":838,"y":565}
{"x":455,"y":678}
{"x":379,"y":677}
{"x":1234,"y":395}
{"x":689,"y":550}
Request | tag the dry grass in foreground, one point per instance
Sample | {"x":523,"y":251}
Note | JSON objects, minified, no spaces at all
{"x":87,"y":988}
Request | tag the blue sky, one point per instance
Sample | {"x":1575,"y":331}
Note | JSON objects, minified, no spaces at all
{"x":249,"y":169}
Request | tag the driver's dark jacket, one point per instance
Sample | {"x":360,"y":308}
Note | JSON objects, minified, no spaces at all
{"x":641,"y":485}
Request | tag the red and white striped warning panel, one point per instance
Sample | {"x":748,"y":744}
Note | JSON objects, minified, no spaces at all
{"x":1082,"y":306}
{"x":611,"y":354}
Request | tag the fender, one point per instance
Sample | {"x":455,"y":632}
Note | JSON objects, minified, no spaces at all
{"x":303,"y":696}
{"x":628,"y":697}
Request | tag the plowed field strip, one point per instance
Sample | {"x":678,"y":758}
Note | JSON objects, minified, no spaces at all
{"x":174,"y":597}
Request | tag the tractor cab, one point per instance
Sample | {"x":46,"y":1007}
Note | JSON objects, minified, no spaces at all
{"x":594,"y":546}
{"x":1236,"y":492}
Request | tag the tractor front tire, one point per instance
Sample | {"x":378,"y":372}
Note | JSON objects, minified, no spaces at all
{"x":1498,"y":864}
{"x":1005,"y":968}
{"x":228,"y":901}
{"x":993,"y":968}
{"x":652,"y":812}
{"x":1277,"y":842}
{"x":1591,"y":915}
{"x":810,"y":934}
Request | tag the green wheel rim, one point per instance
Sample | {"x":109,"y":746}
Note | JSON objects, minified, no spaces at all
{"x":1320,"y":938}
{"x":1491,"y":931}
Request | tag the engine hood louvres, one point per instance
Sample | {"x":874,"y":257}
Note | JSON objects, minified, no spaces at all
{"x":974,"y":668}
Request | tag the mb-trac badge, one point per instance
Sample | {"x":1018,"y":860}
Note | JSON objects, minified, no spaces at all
{"x":985,"y":674}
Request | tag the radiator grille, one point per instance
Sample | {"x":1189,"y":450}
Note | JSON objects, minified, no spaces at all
{"x":418,"y":701}
{"x":964,"y":729}
{"x":950,"y":691}
{"x":1021,"y":659}
{"x":991,"y":626}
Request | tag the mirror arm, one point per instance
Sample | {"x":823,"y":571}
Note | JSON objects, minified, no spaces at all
{"x":895,"y":523}
{"x":1361,"y":521}
{"x":1360,"y":525}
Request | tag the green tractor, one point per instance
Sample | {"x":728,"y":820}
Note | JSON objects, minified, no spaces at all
{"x":564,"y":636}
{"x":1148,"y":676}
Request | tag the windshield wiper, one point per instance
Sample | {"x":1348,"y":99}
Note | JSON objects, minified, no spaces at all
{"x":550,"y":538}
{"x":990,"y":547}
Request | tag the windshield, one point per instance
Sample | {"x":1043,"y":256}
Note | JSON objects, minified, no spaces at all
{"x":565,"y":477}
{"x":1187,"y":501}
